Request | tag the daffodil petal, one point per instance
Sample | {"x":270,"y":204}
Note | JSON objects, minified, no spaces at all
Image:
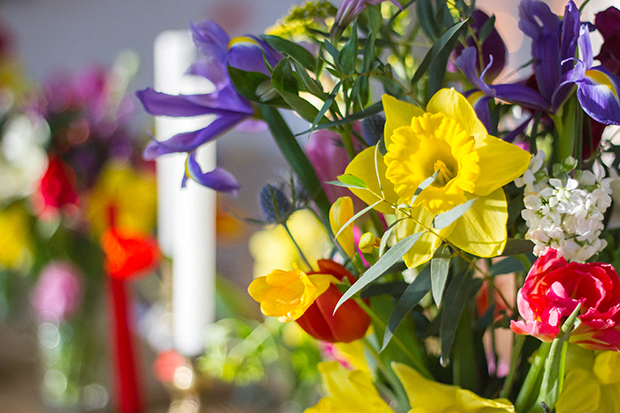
{"x":425,"y":247}
{"x":481,"y":230}
{"x":397,"y":114}
{"x":345,"y":388}
{"x":339,"y":214}
{"x":454,"y":105}
{"x":423,"y":392}
{"x":500,"y":163}
{"x":258,"y":288}
{"x":474,"y":403}
{"x":325,"y":405}
{"x":363,"y":167}
{"x":581,"y":393}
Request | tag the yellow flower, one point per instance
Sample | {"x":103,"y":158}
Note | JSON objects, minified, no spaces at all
{"x":272,"y":247}
{"x":354,"y":392}
{"x":448,"y":139}
{"x":591,"y":382}
{"x":288,"y":294}
{"x":341,"y":212}
{"x":133,"y":196}
{"x":15,"y":242}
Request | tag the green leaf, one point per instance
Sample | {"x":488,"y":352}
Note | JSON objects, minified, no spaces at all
{"x":453,"y":303}
{"x":246,"y":83}
{"x":283,"y":78}
{"x":423,"y":185}
{"x":350,"y":181}
{"x":437,"y":71}
{"x":348,"y":54}
{"x":300,"y":105}
{"x":369,"y":111}
{"x":446,"y":219}
{"x":486,"y":29}
{"x":440,"y":264}
{"x":410,"y":298}
{"x":331,"y":50}
{"x":516,"y":246}
{"x":296,"y":158}
{"x":288,"y":48}
{"x":426,"y":18}
{"x":393,"y":255}
{"x":438,"y":47}
{"x":328,"y":102}
{"x":393,"y":288}
{"x":309,"y":83}
{"x":386,"y":235}
{"x":507,"y":266}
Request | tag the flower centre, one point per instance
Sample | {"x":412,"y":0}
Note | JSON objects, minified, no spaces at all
{"x":445,"y":174}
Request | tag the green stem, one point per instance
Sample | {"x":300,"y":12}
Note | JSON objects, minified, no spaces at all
{"x":419,"y":366}
{"x":528,"y":394}
{"x":301,"y":253}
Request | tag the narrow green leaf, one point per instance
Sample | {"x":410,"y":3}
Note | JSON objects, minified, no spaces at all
{"x":437,"y":71}
{"x":516,"y":246}
{"x":486,"y":29}
{"x":437,"y":47}
{"x":291,"y":49}
{"x":300,"y":105}
{"x":331,"y":50}
{"x":352,"y":181}
{"x":356,"y":216}
{"x":393,"y":255}
{"x":283,"y":78}
{"x":369,"y":111}
{"x":453,"y":303}
{"x":445,"y":219}
{"x":348,"y":54}
{"x":296,"y":158}
{"x":426,"y":18}
{"x":440,"y":264}
{"x":246,"y":83}
{"x":410,"y":298}
{"x":326,"y":105}
{"x":393,"y":288}
{"x":423,"y":185}
{"x":309,"y":83}
{"x":506,"y":266}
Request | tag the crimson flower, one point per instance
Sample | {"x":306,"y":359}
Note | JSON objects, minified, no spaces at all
{"x":128,"y":255}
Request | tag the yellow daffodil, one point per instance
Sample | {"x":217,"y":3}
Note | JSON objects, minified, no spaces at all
{"x":15,"y":242}
{"x":272,"y":247}
{"x":341,"y":212}
{"x":131,"y":194}
{"x":591,"y":382}
{"x":354,"y":392}
{"x":447,"y":139}
{"x":288,"y":294}
{"x":429,"y":396}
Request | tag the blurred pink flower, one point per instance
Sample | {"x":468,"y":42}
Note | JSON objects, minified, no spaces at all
{"x":58,"y":293}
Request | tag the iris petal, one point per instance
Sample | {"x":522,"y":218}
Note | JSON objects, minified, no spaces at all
{"x":218,"y":179}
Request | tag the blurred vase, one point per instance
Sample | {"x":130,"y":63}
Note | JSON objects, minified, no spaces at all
{"x":71,"y":340}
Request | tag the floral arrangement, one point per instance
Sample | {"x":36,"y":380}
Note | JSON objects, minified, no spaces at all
{"x":470,"y":244}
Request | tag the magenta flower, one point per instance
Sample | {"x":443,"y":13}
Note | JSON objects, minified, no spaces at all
{"x":552,"y":290}
{"x":58,"y":293}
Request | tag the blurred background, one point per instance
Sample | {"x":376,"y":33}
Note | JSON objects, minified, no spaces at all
{"x":69,"y":62}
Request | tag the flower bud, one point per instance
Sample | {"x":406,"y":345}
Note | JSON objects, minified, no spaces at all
{"x":367,"y":242}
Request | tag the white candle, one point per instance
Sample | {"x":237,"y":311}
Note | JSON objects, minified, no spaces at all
{"x":186,"y":217}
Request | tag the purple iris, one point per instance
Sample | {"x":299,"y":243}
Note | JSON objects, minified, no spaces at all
{"x":348,"y":12}
{"x":556,"y":70}
{"x":229,"y":107}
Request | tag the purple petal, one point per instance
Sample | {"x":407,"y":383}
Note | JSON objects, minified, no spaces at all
{"x":480,"y":102}
{"x":246,"y":53}
{"x":190,"y":141}
{"x":521,"y":95}
{"x":210,"y":39}
{"x":519,"y":130}
{"x":467,"y":63}
{"x":598,"y":95}
{"x":221,"y":103}
{"x":539,"y":23}
{"x":585,"y":47}
{"x":570,"y":34}
{"x":218,"y":179}
{"x":212,"y":69}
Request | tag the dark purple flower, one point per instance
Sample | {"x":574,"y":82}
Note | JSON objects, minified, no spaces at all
{"x":607,"y":23}
{"x":229,"y":107}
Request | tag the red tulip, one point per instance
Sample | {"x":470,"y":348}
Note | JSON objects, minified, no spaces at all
{"x":57,"y":188}
{"x":349,"y":323}
{"x":128,"y":255}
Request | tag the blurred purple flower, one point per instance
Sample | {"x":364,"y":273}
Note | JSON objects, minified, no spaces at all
{"x":58,"y":293}
{"x":229,"y":107}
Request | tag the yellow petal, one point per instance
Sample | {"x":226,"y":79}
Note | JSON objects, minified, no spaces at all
{"x":397,"y":114}
{"x":607,"y":367}
{"x":471,"y":402}
{"x":353,"y":352}
{"x":424,"y":248}
{"x":581,"y":393}
{"x":427,"y":395}
{"x":481,"y":230}
{"x":352,"y":391}
{"x":500,"y":163}
{"x":258,"y":288}
{"x":363,"y":167}
{"x":325,"y":405}
{"x":341,"y":212}
{"x":454,"y":105}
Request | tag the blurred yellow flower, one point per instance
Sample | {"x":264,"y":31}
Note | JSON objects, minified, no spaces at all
{"x":591,"y":382}
{"x":341,"y":212}
{"x":354,"y":392}
{"x":131,"y":194}
{"x":447,"y":139}
{"x":288,"y":294}
{"x":15,"y":242}
{"x":272,"y":247}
